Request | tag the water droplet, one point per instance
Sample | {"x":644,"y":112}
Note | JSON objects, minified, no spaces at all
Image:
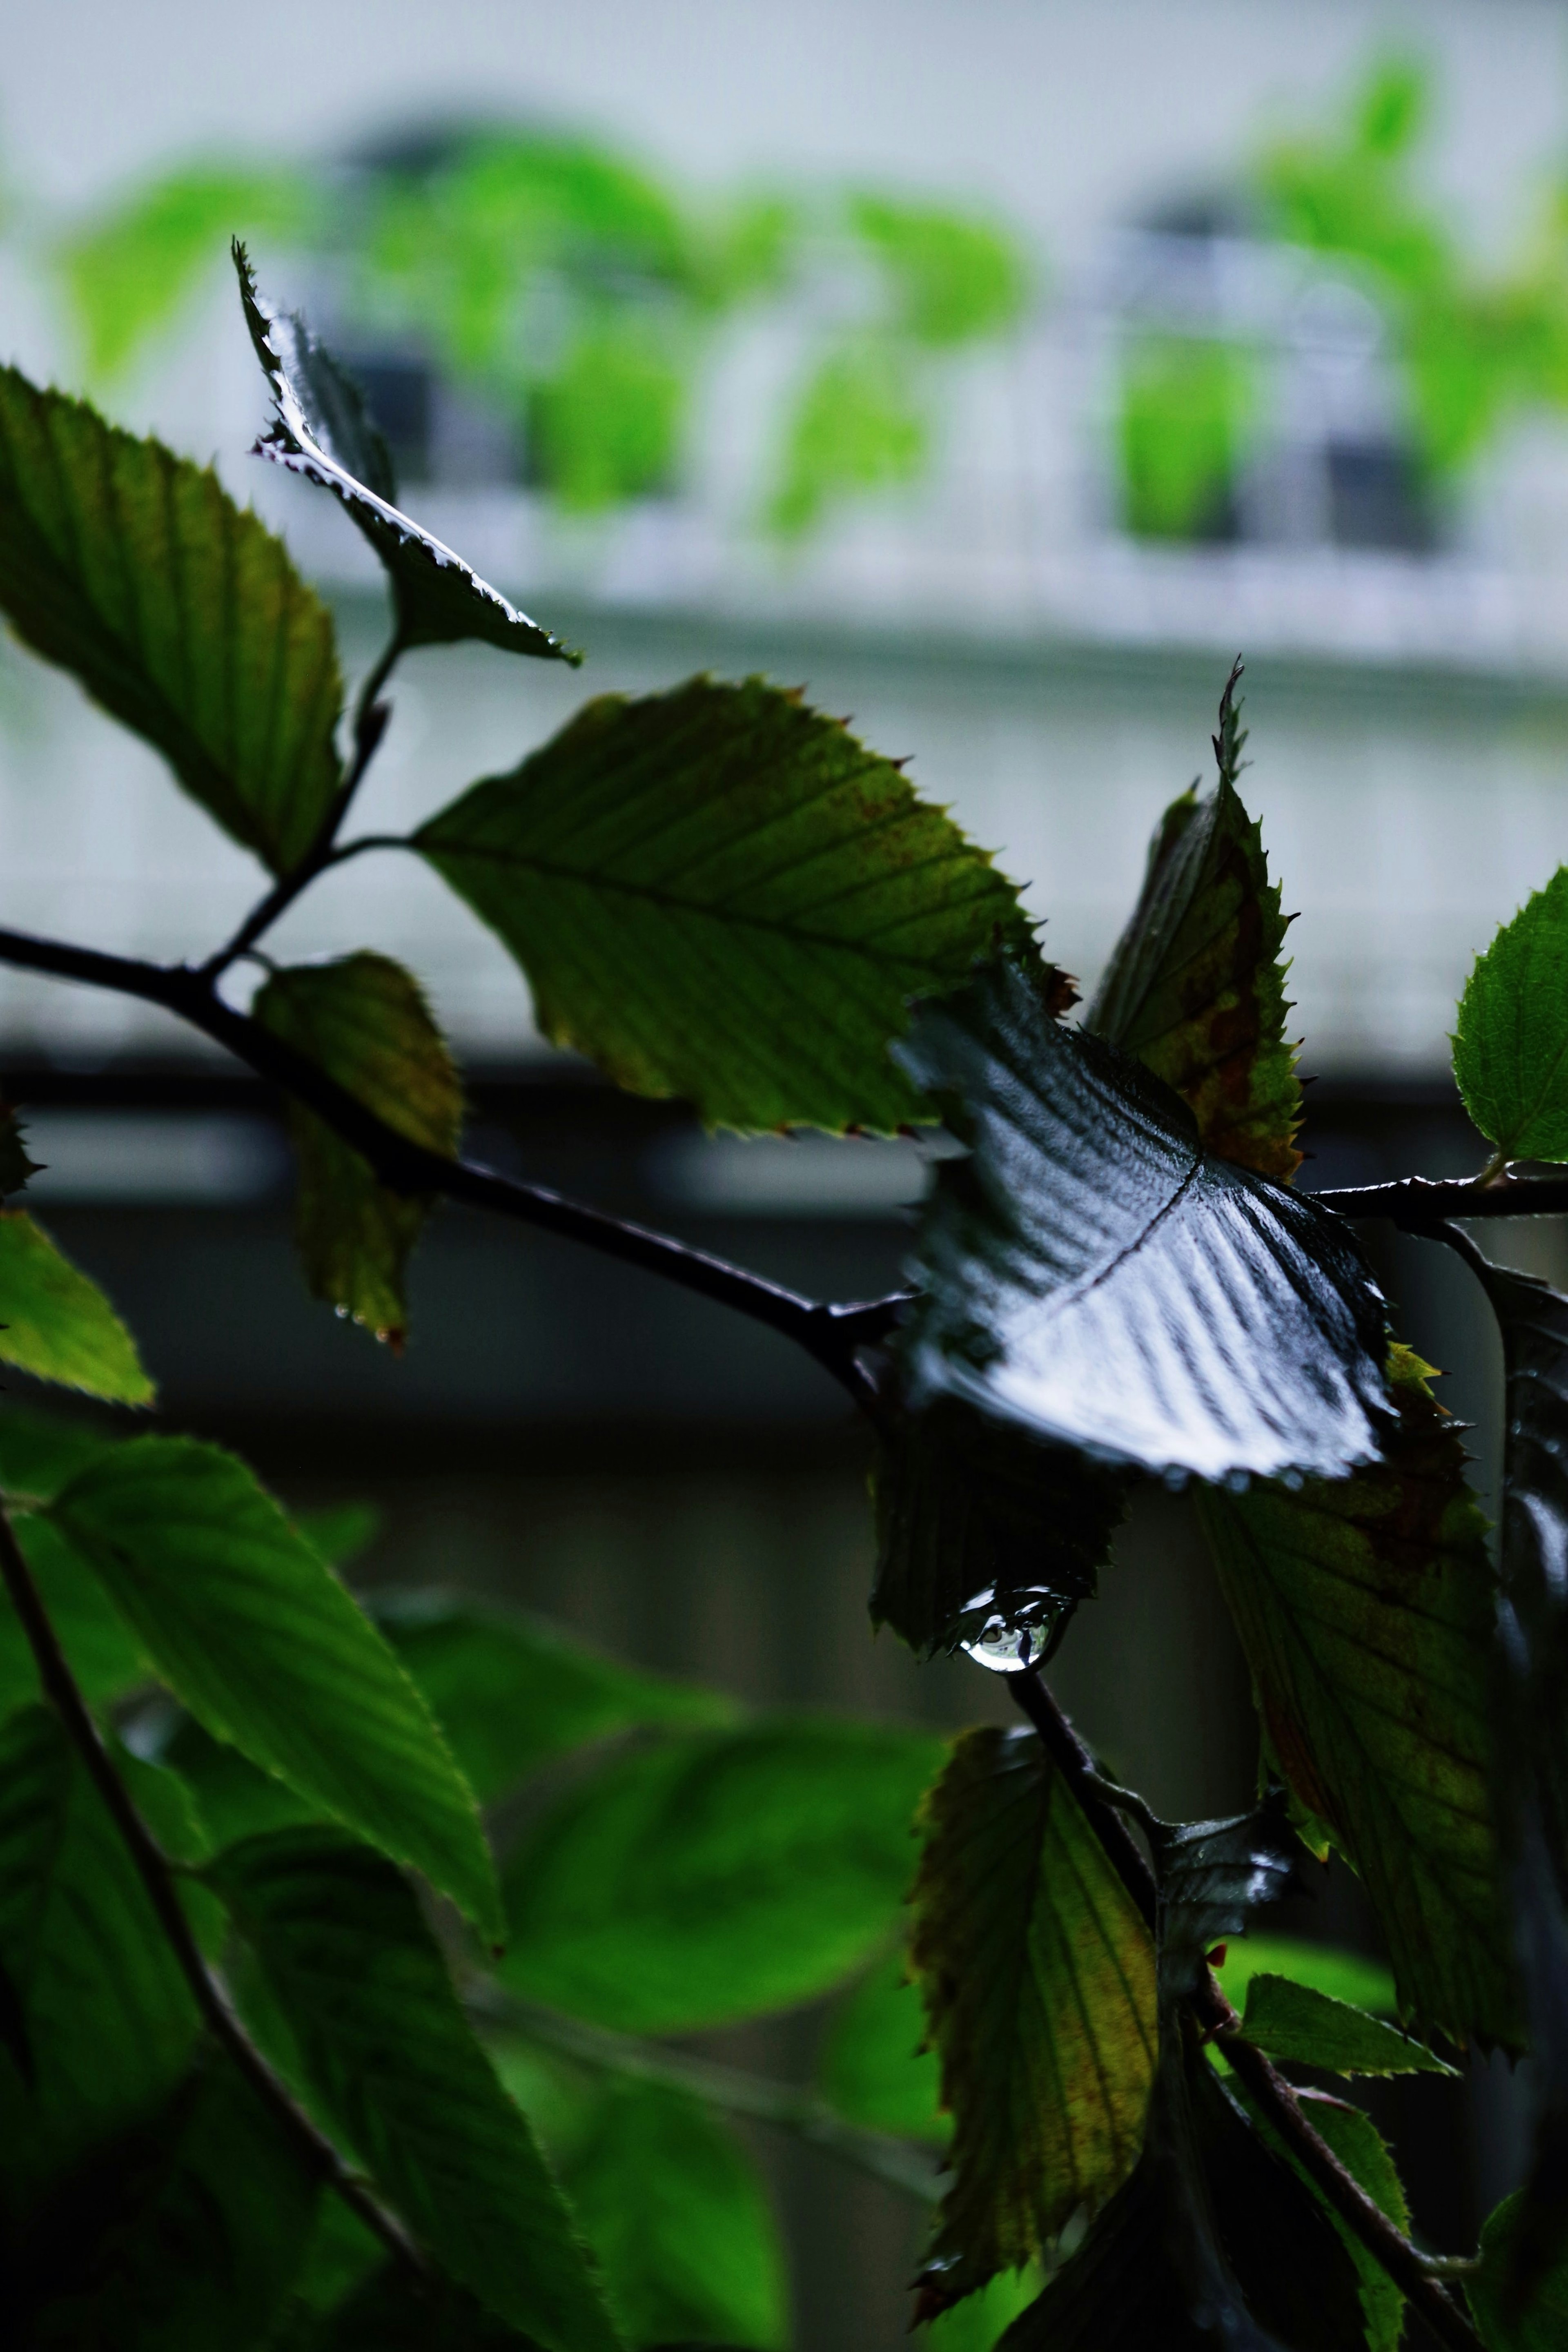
{"x":341,"y":1313}
{"x":1002,"y":1647}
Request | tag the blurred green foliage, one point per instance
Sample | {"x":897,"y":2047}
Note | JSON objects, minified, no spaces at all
{"x":1186,"y":408}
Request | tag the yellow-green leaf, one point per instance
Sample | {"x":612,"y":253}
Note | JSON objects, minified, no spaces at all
{"x":58,"y":1325}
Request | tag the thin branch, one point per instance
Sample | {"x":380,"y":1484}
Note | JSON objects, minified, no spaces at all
{"x":1404,"y":2262}
{"x":830,"y":1333}
{"x":1417,"y":1204}
{"x":157,"y":1876}
{"x":729,"y":2087}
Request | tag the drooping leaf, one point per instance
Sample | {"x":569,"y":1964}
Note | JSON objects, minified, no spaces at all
{"x":1304,"y":2028}
{"x":719,"y":893}
{"x":1356,"y":2141}
{"x":1342,"y":1975}
{"x":1510,"y":1037}
{"x":1212,"y":1876}
{"x":178,"y":611}
{"x":15,"y":1165}
{"x":1364,"y":1606}
{"x":58,"y":1325}
{"x":1038,"y":1976}
{"x":984,"y":1535}
{"x":106,"y":2017}
{"x":101,"y":1655}
{"x":1089,"y":1273}
{"x":875,"y":2068}
{"x":509,"y":1690}
{"x":387,"y":2053}
{"x":320,"y":430}
{"x":207,"y":2213}
{"x":259,"y":1639}
{"x":1540,"y":2327}
{"x":1195,"y":986}
{"x":718,"y":1874}
{"x":363,"y":1020}
{"x":681,"y":2224}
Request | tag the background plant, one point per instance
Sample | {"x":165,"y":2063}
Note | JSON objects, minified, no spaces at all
{"x":290,"y":2051}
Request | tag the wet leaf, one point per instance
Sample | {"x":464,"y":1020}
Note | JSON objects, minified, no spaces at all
{"x":1304,"y":2028}
{"x":1038,"y":1977}
{"x":1196,"y":987}
{"x":363,"y":1020}
{"x":1212,"y":1876}
{"x":387,"y":2053}
{"x":1088,"y":1273}
{"x":176,"y":610}
{"x":719,"y":894}
{"x":321,"y":430}
{"x":1365,"y":1609}
{"x":1511,"y":1037}
{"x":984,"y":1535}
{"x":58,"y":1325}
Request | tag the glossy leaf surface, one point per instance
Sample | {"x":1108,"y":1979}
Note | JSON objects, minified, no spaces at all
{"x":363,"y":1020}
{"x":875,"y":2068}
{"x":1292,"y":2023}
{"x":388,"y":2055}
{"x":983,"y":1533}
{"x":1364,"y":1607}
{"x":1090,"y":1273}
{"x":259,"y":1639}
{"x":1511,"y":1039}
{"x":1212,"y":1876}
{"x":1196,"y":987}
{"x":177,"y":611}
{"x":103,"y":2021}
{"x":322,"y":431}
{"x":509,"y":1690}
{"x":680,"y":2223}
{"x":719,"y":893}
{"x":1038,"y":1976}
{"x":718,"y":1875}
{"x":58,"y":1325}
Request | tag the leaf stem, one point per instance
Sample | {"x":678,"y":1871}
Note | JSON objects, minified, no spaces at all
{"x":1419,"y":1205}
{"x":157,"y":1876}
{"x":1404,"y":2262}
{"x":799,"y":2112}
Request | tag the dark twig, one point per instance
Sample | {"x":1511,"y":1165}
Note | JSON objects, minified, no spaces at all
{"x":1404,"y":2262}
{"x":830,"y":1333}
{"x":1418,"y":1205}
{"x":317,"y":2152}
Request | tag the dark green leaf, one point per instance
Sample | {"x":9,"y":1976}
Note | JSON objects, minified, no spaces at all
{"x":340,"y":1531}
{"x":1343,"y":1976}
{"x":363,"y":1020}
{"x":322,"y":431}
{"x":1038,"y":1976}
{"x":875,"y":2067}
{"x":1511,"y":1039}
{"x":1365,"y":1608}
{"x":986,"y":1537}
{"x":58,"y":1325}
{"x":1090,"y":1274}
{"x":208,"y":2214}
{"x":389,"y":2313}
{"x":1213,"y":1875}
{"x":1543,"y":2325}
{"x":102,"y":1655}
{"x":681,"y":2224}
{"x":178,"y":611}
{"x":15,"y":1165}
{"x":235,"y":1798}
{"x":719,"y":893}
{"x":259,"y":1639}
{"x":387,"y":2053}
{"x":108,"y":2018}
{"x":39,"y":1452}
{"x":1356,"y":2141}
{"x":1196,"y":987}
{"x":508,"y":1690}
{"x":719,"y":1875}
{"x":1291,"y":2022}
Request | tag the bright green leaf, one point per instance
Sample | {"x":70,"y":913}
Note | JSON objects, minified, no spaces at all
{"x":1543,"y":2325}
{"x":874,"y":2067}
{"x":681,"y":2224}
{"x":1196,"y":987}
{"x":1342,"y":1976}
{"x":1302,"y":2028}
{"x":58,"y":1325}
{"x":509,"y":1690}
{"x":363,"y":1020}
{"x":1511,"y":1039}
{"x":105,"y":2017}
{"x":178,"y":612}
{"x":719,"y":1875}
{"x":1186,"y":405}
{"x":1364,"y":1606}
{"x":976,"y":2325}
{"x":719,"y":894}
{"x":1038,"y":1975}
{"x":858,"y":425}
{"x":322,"y":431}
{"x":256,"y":1635}
{"x":955,"y":278}
{"x":386,"y":2051}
